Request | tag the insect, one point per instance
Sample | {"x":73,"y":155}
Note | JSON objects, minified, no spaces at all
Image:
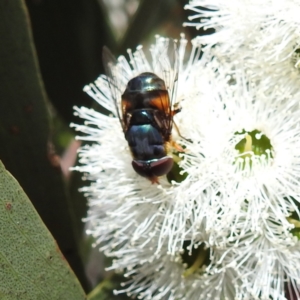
{"x":146,"y":116}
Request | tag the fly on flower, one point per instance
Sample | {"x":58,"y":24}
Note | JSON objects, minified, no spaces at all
{"x":146,"y":113}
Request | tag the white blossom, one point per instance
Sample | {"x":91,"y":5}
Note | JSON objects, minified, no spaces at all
{"x":119,"y":198}
{"x":240,"y":197}
{"x":264,"y":36}
{"x":248,"y":21}
{"x":247,"y":199}
{"x":196,"y":271}
{"x":168,"y":276}
{"x":267,"y":269}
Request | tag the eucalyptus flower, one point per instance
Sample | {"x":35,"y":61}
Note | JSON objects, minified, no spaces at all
{"x":268,"y":270}
{"x":248,"y":21}
{"x":264,"y":36}
{"x":118,"y":197}
{"x":238,"y":192}
{"x":195,"y":272}
{"x":243,"y":174}
{"x":255,"y":269}
{"x":245,"y":137}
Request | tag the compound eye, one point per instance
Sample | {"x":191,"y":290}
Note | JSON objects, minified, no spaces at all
{"x":153,"y":168}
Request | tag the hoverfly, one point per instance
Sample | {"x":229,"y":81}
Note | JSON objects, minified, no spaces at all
{"x":146,"y":115}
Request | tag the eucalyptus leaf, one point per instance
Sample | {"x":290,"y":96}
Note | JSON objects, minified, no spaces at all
{"x":26,"y":133}
{"x":32,"y":266}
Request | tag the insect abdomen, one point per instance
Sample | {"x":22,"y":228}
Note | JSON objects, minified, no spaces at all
{"x":144,"y":139}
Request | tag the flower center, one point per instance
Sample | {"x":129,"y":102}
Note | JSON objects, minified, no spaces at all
{"x":194,"y":259}
{"x":254,"y":147}
{"x":294,"y":219}
{"x":176,"y":174}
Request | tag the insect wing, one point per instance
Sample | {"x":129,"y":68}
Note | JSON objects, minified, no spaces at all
{"x":110,"y":66}
{"x":166,"y":65}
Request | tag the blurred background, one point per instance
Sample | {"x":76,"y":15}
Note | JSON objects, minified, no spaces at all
{"x":51,"y":51}
{"x":69,"y":36}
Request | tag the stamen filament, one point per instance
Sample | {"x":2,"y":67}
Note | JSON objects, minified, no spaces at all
{"x":248,"y":144}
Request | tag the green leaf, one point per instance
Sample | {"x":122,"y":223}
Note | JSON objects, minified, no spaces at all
{"x":26,"y":135}
{"x":32,"y":266}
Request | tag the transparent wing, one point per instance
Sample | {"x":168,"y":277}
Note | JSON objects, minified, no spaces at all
{"x":166,"y":65}
{"x":111,"y":69}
